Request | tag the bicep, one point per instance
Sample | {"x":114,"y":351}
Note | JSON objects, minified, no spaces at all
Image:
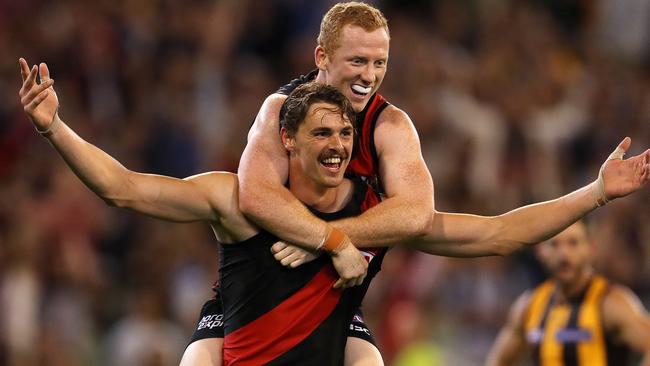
{"x":264,"y":159}
{"x":401,"y":165}
{"x":192,"y":199}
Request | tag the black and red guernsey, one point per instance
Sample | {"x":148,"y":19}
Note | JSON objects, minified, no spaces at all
{"x":275,"y":315}
{"x":280,"y":316}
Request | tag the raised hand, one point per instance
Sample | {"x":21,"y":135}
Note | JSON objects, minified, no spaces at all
{"x":39,"y":100}
{"x":618,"y":177}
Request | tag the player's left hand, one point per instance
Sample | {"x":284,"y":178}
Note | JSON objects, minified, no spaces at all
{"x":39,"y":100}
{"x":624,"y":176}
{"x":292,"y":256}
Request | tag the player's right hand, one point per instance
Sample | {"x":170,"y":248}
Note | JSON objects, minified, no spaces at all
{"x":350,"y":264}
{"x":38,"y":100}
{"x":292,"y":256}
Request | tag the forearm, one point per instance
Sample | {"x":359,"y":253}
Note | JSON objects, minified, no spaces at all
{"x":392,"y":221}
{"x":104,"y":175}
{"x":471,"y":235}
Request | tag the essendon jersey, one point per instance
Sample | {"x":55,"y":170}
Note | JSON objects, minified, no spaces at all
{"x":365,"y":162}
{"x":280,"y":316}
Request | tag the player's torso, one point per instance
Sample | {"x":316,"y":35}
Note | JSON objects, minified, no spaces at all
{"x":570,"y":333}
{"x":280,"y":316}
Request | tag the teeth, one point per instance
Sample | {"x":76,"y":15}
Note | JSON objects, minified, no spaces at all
{"x":332,"y":161}
{"x":360,"y":89}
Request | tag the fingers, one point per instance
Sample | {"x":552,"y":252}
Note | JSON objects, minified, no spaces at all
{"x":278,"y":246}
{"x":620,"y":150}
{"x":36,"y":91}
{"x":44,"y":72}
{"x":24,"y":69}
{"x":343,"y":284}
{"x":37,"y":100}
{"x":29,"y":81}
{"x":625,"y":144}
{"x":288,"y":259}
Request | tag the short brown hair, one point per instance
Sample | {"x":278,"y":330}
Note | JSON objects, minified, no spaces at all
{"x":295,"y":107}
{"x":354,"y":13}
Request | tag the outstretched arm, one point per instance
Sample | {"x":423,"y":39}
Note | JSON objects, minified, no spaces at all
{"x":463,"y":235}
{"x":196,"y":198}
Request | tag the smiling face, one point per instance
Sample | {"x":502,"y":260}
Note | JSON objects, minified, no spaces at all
{"x":568,"y":255}
{"x":320,"y":150}
{"x":356,"y":67}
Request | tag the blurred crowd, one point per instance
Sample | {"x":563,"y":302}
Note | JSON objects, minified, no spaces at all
{"x":514,"y":101}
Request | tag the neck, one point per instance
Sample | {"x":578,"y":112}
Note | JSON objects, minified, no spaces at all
{"x":320,"y":77}
{"x":573,"y":289}
{"x":316,"y":196}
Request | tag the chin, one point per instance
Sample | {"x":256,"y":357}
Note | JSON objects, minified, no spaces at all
{"x":332,"y":182}
{"x":359,"y":106}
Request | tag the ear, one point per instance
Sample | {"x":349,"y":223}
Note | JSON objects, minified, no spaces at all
{"x":288,"y":141}
{"x":320,"y":57}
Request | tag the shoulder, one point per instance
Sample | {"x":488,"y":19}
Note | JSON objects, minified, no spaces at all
{"x":395,"y":131}
{"x":618,"y":302}
{"x":519,"y":308}
{"x":393,"y":116}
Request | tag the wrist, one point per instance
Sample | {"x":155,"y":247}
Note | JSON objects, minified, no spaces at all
{"x":598,"y":190}
{"x":334,"y":241}
{"x":52,"y":128}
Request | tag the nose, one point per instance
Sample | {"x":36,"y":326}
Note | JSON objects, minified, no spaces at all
{"x":335,"y":142}
{"x":368,"y":75}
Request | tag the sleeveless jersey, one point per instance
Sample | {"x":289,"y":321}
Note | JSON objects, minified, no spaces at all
{"x":570,"y":334}
{"x":274,"y":315}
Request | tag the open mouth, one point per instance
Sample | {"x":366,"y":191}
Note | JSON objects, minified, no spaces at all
{"x":360,"y":90}
{"x":332,"y":163}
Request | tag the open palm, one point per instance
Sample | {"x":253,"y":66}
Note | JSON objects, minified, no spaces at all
{"x":622,"y":177}
{"x":39,"y":100}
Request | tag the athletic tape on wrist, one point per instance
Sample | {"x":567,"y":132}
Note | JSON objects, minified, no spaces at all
{"x":333,"y":241}
{"x":54,"y":125}
{"x":598,"y":187}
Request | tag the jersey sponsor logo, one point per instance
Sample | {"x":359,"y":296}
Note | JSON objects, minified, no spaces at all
{"x":211,"y":322}
{"x":566,"y":335}
{"x":573,"y":335}
{"x":358,"y":328}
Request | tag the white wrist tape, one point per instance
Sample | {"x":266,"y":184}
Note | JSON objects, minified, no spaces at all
{"x":598,"y":187}
{"x":54,"y":125}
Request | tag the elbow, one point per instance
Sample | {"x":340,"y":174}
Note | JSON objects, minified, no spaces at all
{"x":248,"y":201}
{"x":115,"y":202}
{"x":422,"y":223}
{"x":505,"y":248}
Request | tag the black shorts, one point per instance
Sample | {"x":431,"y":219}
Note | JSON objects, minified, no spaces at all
{"x":210,"y":324}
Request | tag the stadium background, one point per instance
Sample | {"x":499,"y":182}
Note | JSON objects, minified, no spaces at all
{"x":514,"y":101}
